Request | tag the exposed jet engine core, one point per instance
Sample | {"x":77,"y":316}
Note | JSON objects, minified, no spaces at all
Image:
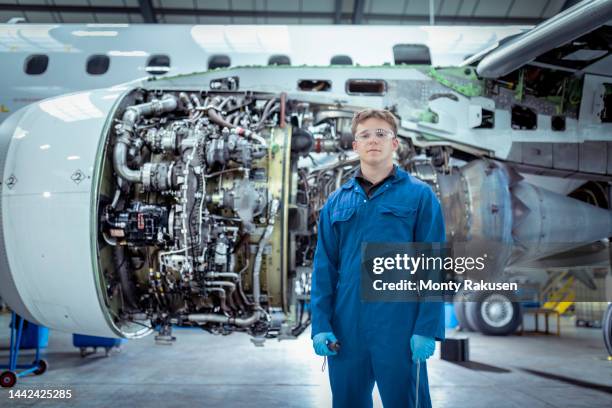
{"x":190,"y":212}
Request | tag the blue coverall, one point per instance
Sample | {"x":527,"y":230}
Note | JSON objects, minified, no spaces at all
{"x":374,"y":336}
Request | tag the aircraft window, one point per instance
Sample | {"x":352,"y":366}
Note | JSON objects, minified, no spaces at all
{"x":158,"y":64}
{"x":36,"y":64}
{"x":218,"y":61}
{"x":314,"y":85}
{"x":341,"y":60}
{"x":412,"y":54}
{"x":279,"y":60}
{"x":98,"y":64}
{"x":366,"y":87}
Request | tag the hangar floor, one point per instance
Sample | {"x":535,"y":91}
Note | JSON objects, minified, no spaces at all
{"x":212,"y":371}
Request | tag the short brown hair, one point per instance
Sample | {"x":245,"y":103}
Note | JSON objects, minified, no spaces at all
{"x":374,"y":113}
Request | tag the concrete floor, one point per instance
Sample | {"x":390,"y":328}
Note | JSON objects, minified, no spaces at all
{"x":211,"y":371}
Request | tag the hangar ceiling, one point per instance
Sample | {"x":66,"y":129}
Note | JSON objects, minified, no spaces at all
{"x":448,"y":12}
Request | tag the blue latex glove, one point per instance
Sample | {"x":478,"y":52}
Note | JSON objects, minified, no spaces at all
{"x":320,"y":341}
{"x":422,"y":347}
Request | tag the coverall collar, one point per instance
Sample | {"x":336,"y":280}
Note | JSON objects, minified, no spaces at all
{"x":400,"y":174}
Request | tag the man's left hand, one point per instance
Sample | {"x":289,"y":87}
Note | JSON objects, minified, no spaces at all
{"x":422,"y":347}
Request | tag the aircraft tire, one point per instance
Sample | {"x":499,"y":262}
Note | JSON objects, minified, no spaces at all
{"x":494,"y":314}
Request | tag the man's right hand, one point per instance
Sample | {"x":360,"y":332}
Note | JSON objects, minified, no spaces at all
{"x":320,"y":342}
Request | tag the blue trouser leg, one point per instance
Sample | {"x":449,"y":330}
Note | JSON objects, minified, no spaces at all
{"x":397,"y":384}
{"x":395,"y":373}
{"x":352,"y":380}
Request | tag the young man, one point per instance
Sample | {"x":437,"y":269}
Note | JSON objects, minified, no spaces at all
{"x":379,"y":341}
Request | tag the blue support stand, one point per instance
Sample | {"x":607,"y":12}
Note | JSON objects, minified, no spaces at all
{"x":9,"y":378}
{"x":84,"y":343}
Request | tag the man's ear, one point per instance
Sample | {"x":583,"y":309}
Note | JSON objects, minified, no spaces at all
{"x":354,"y":144}
{"x":395,"y":142}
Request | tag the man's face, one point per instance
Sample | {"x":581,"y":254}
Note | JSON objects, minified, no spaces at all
{"x":374,"y":150}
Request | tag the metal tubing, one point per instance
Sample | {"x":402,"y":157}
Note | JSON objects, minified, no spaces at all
{"x":131,"y":116}
{"x":258,"y":258}
{"x":215,"y":318}
{"x":232,"y":275}
{"x":120,"y":162}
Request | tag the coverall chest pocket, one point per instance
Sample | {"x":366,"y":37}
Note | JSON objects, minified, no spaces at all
{"x":346,"y":228}
{"x":340,"y":219}
{"x":395,"y":222}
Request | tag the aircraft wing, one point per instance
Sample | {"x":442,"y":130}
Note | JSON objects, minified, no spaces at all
{"x":573,"y":40}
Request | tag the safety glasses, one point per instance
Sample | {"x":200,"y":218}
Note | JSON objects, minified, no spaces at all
{"x":370,"y":134}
